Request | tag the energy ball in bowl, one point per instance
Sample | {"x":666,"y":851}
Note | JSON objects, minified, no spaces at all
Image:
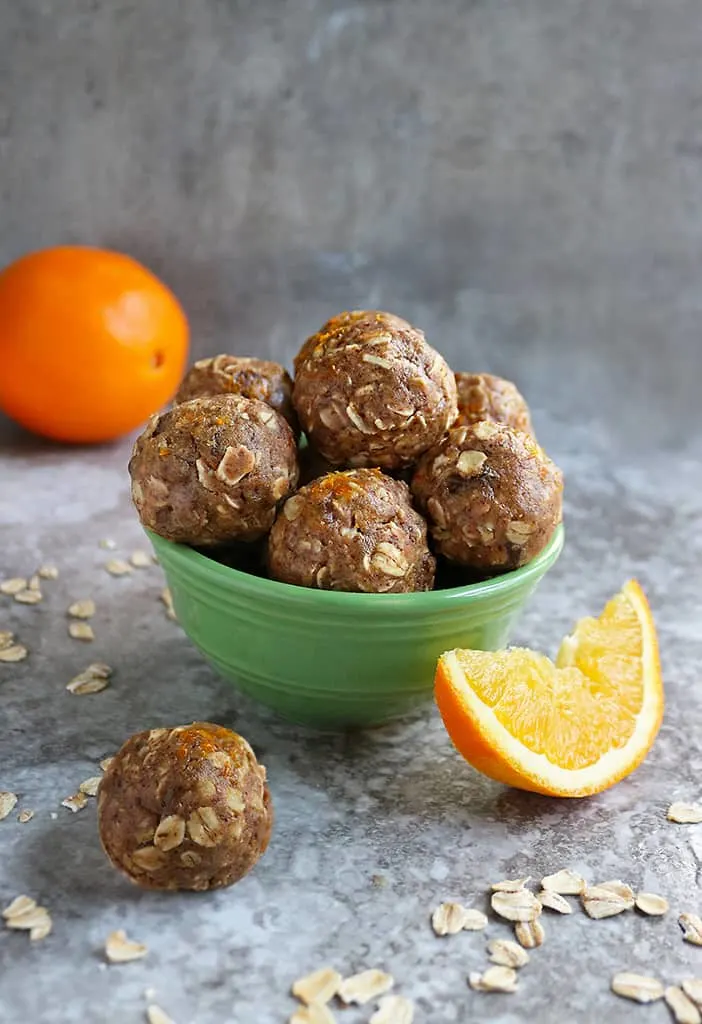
{"x":185,"y":808}
{"x":370,"y":391}
{"x":482,"y":396}
{"x":213,"y":470}
{"x":354,"y":531}
{"x":492,"y":497}
{"x":241,"y":375}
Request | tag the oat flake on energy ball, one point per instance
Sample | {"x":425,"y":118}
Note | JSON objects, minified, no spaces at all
{"x":370,"y":391}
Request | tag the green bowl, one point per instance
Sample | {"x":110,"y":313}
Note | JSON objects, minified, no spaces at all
{"x":336,"y":660}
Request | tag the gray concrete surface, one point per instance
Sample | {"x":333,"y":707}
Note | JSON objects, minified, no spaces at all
{"x":372,"y":830}
{"x":522,"y":180}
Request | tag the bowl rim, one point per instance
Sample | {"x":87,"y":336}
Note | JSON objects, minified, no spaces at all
{"x":188,"y":561}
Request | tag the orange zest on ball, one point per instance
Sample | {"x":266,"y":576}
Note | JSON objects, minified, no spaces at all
{"x":570,"y":728}
{"x":91,"y":343}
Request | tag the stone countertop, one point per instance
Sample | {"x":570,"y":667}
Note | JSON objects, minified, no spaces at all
{"x":373,"y":829}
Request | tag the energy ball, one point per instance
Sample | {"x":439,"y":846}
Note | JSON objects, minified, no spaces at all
{"x":482,"y":396}
{"x":213,"y":470}
{"x":353,"y":531}
{"x":241,"y":375}
{"x":492,"y":497}
{"x":185,"y":808}
{"x":369,"y":391}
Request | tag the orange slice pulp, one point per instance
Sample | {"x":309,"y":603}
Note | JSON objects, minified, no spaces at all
{"x":572,"y":728}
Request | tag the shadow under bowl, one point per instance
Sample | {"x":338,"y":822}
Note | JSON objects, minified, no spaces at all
{"x":337,"y":660}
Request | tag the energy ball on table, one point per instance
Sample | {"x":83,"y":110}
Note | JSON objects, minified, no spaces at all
{"x":240,"y":375}
{"x":352,"y":531}
{"x":185,"y":808}
{"x":213,"y":470}
{"x":369,"y":391}
{"x":492,"y":497}
{"x":482,"y":396}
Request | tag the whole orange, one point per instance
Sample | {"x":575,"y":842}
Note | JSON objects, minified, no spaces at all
{"x":91,"y":343}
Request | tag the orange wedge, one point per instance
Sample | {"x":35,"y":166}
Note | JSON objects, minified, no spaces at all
{"x":572,"y":728}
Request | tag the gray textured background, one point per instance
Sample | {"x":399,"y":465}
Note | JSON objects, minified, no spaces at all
{"x":523,"y":178}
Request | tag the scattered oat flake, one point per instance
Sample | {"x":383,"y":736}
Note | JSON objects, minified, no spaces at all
{"x":638,"y":987}
{"x":6,"y":638}
{"x":607,"y":900}
{"x":507,"y":953}
{"x":318,"y":987}
{"x":155,"y":1015}
{"x":99,"y":670}
{"x":7,"y":803}
{"x":683,"y":1009}
{"x":118,"y":567}
{"x":13,"y":586}
{"x":692,"y":928}
{"x":651,"y":904}
{"x":34,"y":583}
{"x":475,"y":920}
{"x":564,"y":882}
{"x":521,"y":905}
{"x":119,"y":949}
{"x":28,"y":597}
{"x":15,"y":652}
{"x":84,"y":609}
{"x":620,"y":889}
{"x":685,"y":814}
{"x":167,"y":599}
{"x":86,"y":682}
{"x":48,"y":572}
{"x":24,"y":914}
{"x":511,"y":884}
{"x":80,"y":630}
{"x":90,"y":786}
{"x":315,"y":1013}
{"x":692,"y":987}
{"x":20,"y":905}
{"x":41,"y":928}
{"x":107,"y":544}
{"x":76,"y":802}
{"x":494,"y":979}
{"x":554,"y":901}
{"x":106,"y":762}
{"x":393,"y":1010}
{"x":366,"y":985}
{"x":24,"y":816}
{"x":448,"y":919}
{"x":529,"y":934}
{"x":140,"y":559}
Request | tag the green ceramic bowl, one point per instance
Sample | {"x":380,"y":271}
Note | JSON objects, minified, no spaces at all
{"x":335,"y":660}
